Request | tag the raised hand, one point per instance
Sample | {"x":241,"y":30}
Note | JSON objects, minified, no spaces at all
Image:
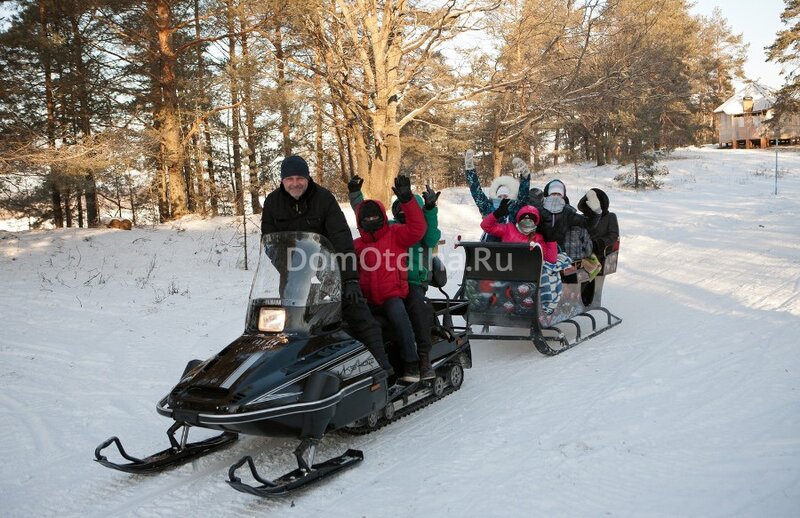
{"x":355,"y":183}
{"x":402,"y":188}
{"x":502,"y":211}
{"x":430,"y":197}
{"x":520,"y":167}
{"x":469,"y":160}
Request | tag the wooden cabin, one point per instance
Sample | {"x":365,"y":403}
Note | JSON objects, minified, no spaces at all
{"x":741,"y":120}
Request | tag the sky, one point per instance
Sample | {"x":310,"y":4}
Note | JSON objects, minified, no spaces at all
{"x":689,"y":408}
{"x":758,"y":22}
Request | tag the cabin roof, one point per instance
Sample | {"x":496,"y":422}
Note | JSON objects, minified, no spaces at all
{"x":763,"y":99}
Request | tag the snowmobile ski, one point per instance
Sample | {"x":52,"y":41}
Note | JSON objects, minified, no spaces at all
{"x":176,"y":454}
{"x":304,"y":475}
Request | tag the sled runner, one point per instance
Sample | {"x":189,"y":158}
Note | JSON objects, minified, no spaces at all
{"x":502,"y":282}
{"x":295,"y":372}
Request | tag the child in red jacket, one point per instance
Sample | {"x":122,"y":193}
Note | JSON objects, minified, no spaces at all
{"x":523,"y":231}
{"x":383,"y":265}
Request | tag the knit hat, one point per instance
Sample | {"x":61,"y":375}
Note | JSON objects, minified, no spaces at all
{"x":294,"y":166}
{"x":370,"y":216}
{"x":556,"y":186}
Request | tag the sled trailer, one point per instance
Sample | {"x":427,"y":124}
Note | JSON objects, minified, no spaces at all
{"x":502,"y":283}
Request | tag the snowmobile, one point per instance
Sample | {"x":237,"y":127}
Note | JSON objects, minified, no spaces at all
{"x":501,"y":284}
{"x":296,"y":372}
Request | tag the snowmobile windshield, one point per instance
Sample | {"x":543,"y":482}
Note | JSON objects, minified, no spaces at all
{"x":297,"y":288}
{"x":297,"y":269}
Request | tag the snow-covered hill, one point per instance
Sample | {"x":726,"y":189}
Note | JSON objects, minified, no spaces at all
{"x":691,"y":407}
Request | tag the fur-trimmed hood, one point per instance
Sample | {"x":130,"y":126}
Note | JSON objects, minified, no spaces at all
{"x":510,"y":183}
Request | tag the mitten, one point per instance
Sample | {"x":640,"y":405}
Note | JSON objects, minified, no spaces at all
{"x":502,"y":211}
{"x":402,"y":188}
{"x":430,"y":197}
{"x":355,"y":183}
{"x":520,"y":167}
{"x":352,"y":292}
{"x":469,"y":161}
{"x":593,"y":202}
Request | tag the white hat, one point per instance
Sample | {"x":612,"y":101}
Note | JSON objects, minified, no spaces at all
{"x":503,"y":190}
{"x":556,"y":186}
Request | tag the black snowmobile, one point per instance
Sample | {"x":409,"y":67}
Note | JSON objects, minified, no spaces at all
{"x":296,"y":372}
{"x":501,"y":284}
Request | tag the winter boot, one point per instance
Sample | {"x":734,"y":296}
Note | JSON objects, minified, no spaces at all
{"x":426,"y":372}
{"x":411,"y":373}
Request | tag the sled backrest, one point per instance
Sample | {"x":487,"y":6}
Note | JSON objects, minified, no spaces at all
{"x":501,"y":281}
{"x":610,"y":260}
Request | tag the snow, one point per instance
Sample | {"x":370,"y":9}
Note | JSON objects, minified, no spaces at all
{"x":690,"y":407}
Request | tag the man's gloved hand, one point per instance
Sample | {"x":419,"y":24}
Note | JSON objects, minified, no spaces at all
{"x":502,"y":211}
{"x":469,"y":160}
{"x":352,"y":292}
{"x":355,"y":183}
{"x":520,"y":167}
{"x":402,"y":188}
{"x":593,"y":202}
{"x":430,"y":197}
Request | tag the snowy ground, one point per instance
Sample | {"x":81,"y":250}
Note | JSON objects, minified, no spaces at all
{"x":691,"y":407}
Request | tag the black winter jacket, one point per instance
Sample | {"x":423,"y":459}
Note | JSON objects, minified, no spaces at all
{"x":316,"y":211}
{"x":554,"y":227}
{"x":606,"y":232}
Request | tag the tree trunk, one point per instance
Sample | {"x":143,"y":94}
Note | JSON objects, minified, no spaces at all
{"x":599,"y":150}
{"x":238,"y":187}
{"x":318,"y":128}
{"x":250,"y":121}
{"x":53,"y":182}
{"x":170,"y":129}
{"x":555,"y":146}
{"x":283,"y":103}
{"x":84,"y":119}
{"x":498,"y":150}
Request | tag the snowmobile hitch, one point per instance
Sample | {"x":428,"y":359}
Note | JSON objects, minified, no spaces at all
{"x":176,"y":454}
{"x":305,"y":474}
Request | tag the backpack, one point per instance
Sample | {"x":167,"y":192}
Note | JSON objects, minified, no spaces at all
{"x":578,"y":243}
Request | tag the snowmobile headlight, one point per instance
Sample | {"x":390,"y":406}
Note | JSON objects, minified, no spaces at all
{"x":271,"y":320}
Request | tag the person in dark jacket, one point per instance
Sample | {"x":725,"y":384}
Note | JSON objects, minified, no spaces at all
{"x":559,"y":217}
{"x":604,"y":235}
{"x":383,"y":266}
{"x":301,"y":205}
{"x":419,"y":259}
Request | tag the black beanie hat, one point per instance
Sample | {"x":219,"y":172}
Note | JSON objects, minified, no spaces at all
{"x":294,"y":166}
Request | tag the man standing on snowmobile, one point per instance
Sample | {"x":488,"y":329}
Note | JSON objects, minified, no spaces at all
{"x":300,"y":205}
{"x":419,"y":261}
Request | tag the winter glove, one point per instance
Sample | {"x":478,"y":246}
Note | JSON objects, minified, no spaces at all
{"x":469,"y":160}
{"x":502,"y":211}
{"x":402,"y":188}
{"x":520,"y":167}
{"x":430,"y":197}
{"x":352,"y":292}
{"x":355,"y":183}
{"x":592,"y":202}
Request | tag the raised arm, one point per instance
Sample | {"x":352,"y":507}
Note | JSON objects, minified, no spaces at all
{"x":481,"y":200}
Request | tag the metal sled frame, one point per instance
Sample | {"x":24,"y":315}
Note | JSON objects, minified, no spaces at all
{"x":509,"y":265}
